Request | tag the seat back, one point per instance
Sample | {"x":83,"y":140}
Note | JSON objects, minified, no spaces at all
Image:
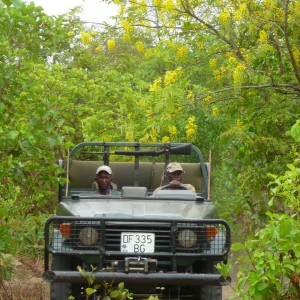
{"x":82,"y":174}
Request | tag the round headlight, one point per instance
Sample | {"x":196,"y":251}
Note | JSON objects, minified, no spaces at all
{"x":187,"y":238}
{"x":88,"y":236}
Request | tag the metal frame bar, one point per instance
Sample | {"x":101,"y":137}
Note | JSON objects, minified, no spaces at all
{"x":172,"y":255}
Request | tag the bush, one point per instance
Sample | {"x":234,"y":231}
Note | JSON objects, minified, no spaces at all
{"x":271,"y":259}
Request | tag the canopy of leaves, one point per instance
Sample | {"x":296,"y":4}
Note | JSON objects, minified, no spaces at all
{"x":221,"y":74}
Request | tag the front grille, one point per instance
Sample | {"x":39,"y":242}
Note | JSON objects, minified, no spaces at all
{"x":103,"y":235}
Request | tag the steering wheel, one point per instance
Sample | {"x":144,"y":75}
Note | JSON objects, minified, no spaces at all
{"x":174,"y":187}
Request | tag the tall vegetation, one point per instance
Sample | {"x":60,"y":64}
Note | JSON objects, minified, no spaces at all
{"x":221,"y":74}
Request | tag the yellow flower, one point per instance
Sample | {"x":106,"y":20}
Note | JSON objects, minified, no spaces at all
{"x":191,"y":128}
{"x":129,"y":136}
{"x":148,"y":54}
{"x":143,"y":5}
{"x":139,"y":47}
{"x":190,"y":95}
{"x":239,"y":123}
{"x":296,"y":9}
{"x":200,"y":45}
{"x":224,"y":16}
{"x":182,"y":52}
{"x":215,"y":111}
{"x":165,"y":139}
{"x":231,"y":60}
{"x":241,"y":13}
{"x":156,"y":85}
{"x":238,"y":74}
{"x":142,"y":103}
{"x":263,"y":37}
{"x":171,"y":44}
{"x":98,"y":49}
{"x":172,"y":25}
{"x":153,"y":134}
{"x":173,"y":131}
{"x":121,"y":9}
{"x":157,"y":2}
{"x":111,"y":44}
{"x":296,"y":54}
{"x":126,"y":37}
{"x":212,"y":63}
{"x":169,"y":5}
{"x":85,"y":37}
{"x":71,"y":33}
{"x":217,"y":75}
{"x":172,"y":76}
{"x":208,"y":98}
{"x":126,"y":25}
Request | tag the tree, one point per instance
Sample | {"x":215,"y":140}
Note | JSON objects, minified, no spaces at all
{"x":228,"y":74}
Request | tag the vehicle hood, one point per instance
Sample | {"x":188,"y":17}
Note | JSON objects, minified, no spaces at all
{"x":137,"y":209}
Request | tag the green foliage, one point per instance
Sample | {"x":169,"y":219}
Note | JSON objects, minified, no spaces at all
{"x":32,"y":132}
{"x":270,"y":261}
{"x":203,"y":72}
{"x":295,"y":132}
{"x":236,"y":80}
{"x":273,"y":259}
{"x":16,"y":3}
{"x":5,"y":257}
{"x":109,"y":290}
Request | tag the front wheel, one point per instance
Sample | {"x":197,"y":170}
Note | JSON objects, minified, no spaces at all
{"x":207,"y":292}
{"x":60,"y":291}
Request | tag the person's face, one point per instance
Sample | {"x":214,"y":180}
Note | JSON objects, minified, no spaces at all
{"x":104,"y":180}
{"x":177,"y":175}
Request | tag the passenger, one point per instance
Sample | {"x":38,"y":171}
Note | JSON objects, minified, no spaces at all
{"x":175,"y":175}
{"x":104,"y":183}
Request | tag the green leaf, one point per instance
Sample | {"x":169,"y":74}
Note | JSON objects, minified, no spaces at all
{"x":237,"y":247}
{"x":295,"y":131}
{"x":81,"y":271}
{"x":261,"y":286}
{"x":114,"y":294}
{"x":121,"y":286}
{"x":90,"y":291}
{"x":91,"y":279}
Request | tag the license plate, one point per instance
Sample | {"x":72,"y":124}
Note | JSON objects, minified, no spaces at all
{"x":137,"y":242}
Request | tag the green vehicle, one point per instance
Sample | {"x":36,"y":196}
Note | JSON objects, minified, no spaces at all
{"x":164,"y":244}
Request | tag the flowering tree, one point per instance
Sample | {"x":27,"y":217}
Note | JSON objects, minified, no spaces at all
{"x":215,"y":69}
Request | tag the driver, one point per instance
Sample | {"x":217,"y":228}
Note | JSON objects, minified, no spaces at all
{"x":175,"y":175}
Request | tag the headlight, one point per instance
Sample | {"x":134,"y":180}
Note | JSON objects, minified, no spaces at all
{"x":88,"y":236}
{"x":187,"y":238}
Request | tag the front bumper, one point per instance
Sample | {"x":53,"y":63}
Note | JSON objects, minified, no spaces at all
{"x":154,"y":279}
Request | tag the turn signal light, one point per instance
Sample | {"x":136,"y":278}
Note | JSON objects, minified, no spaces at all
{"x":65,"y":229}
{"x":211,"y":232}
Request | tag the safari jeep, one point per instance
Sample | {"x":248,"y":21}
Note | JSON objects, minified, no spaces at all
{"x":164,"y":244}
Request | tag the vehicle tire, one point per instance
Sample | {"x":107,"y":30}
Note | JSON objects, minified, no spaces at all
{"x":60,"y":291}
{"x":207,"y":292}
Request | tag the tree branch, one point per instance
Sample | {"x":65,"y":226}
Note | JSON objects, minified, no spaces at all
{"x":287,"y":41}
